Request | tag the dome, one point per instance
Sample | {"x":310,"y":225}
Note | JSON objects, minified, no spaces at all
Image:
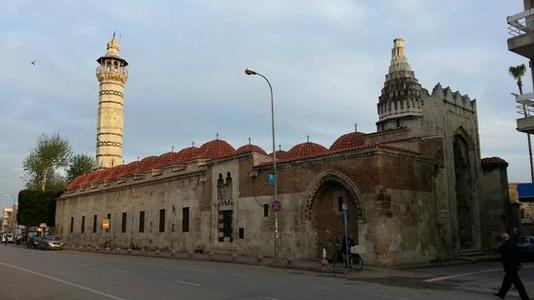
{"x":348,"y":141}
{"x":114,"y":172}
{"x":280,"y":155}
{"x":188,"y":153}
{"x":146,"y":164}
{"x":75,"y":182}
{"x":306,"y":150}
{"x":248,"y":148}
{"x":216,"y":149}
{"x":168,"y":159}
{"x":101,"y":174}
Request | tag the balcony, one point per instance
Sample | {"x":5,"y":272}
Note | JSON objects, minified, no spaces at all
{"x":521,"y":28}
{"x":526,"y":110}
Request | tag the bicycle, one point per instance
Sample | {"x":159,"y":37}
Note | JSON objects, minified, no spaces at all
{"x":356,"y":260}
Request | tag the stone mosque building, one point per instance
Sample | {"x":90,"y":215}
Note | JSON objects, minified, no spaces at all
{"x":416,"y":189}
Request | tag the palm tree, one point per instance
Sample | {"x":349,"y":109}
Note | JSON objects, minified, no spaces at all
{"x":517,"y":73}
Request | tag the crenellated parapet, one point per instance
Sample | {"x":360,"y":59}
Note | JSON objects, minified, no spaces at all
{"x":454,"y":97}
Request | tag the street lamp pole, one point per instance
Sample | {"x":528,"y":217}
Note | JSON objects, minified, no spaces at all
{"x":249,"y":71}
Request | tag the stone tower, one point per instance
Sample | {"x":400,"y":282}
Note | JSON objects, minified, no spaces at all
{"x":112,"y":76}
{"x":400,"y":104}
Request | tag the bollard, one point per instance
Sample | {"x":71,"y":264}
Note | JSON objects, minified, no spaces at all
{"x":259,"y":259}
{"x":191,"y":254}
{"x":157,"y":251}
{"x":129,"y":250}
{"x":324,"y":263}
{"x":211,"y":255}
{"x":173,"y":253}
{"x":234,"y":256}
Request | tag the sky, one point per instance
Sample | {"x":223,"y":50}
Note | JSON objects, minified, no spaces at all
{"x":325,"y":59}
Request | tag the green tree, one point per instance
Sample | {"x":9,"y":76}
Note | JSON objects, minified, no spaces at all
{"x":518,"y":72}
{"x":50,"y":153}
{"x":80,"y":164}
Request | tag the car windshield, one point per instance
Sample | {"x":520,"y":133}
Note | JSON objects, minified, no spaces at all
{"x":51,"y":238}
{"x":523,"y":239}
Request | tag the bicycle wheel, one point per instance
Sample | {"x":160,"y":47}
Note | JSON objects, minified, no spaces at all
{"x":356,"y":262}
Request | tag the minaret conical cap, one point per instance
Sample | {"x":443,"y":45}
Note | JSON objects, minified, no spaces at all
{"x":399,"y":61}
{"x":113,"y":47}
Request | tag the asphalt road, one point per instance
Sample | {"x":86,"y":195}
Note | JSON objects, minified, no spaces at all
{"x":35,"y":274}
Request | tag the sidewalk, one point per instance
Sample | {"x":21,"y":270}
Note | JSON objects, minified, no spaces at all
{"x":302,"y":265}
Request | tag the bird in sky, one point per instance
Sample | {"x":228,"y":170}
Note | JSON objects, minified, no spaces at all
{"x":34,"y":62}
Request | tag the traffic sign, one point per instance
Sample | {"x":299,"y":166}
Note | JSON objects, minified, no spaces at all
{"x":276,"y":206}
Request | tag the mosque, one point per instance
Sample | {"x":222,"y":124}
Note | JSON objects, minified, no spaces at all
{"x":416,"y":190}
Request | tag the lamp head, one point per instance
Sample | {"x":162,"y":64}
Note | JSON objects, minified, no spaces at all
{"x":250,"y":71}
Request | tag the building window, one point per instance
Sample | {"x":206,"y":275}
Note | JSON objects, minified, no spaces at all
{"x":83,"y":224}
{"x":141,"y":221}
{"x":265,"y":210}
{"x":71,"y":224}
{"x":185,"y":219}
{"x":241,"y":233}
{"x":94,"y":223}
{"x":161,"y":220}
{"x":340,"y":204}
{"x":109,"y":220}
{"x":123,"y":222}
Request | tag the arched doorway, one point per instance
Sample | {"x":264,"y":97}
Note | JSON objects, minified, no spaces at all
{"x":463,"y":186}
{"x":324,"y":210}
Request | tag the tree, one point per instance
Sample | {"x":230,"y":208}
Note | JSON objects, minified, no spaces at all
{"x":517,"y":73}
{"x":80,"y":164}
{"x":50,"y":153}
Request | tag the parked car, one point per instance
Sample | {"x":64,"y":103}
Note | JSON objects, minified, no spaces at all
{"x":525,"y":245}
{"x":10,"y":239}
{"x":50,"y":242}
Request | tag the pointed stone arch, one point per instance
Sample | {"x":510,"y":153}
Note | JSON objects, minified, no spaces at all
{"x":332,"y":176}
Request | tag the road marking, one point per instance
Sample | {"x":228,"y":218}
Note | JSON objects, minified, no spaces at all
{"x":120,"y":271}
{"x":187,"y":283}
{"x":64,"y":282}
{"x":467,"y":274}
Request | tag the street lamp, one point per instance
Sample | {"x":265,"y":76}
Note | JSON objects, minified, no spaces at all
{"x":249,"y":71}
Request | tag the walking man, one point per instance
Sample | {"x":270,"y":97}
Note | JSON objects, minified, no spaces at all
{"x":511,"y":264}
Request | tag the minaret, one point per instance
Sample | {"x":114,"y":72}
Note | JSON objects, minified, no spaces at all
{"x":112,"y":76}
{"x":400,"y":104}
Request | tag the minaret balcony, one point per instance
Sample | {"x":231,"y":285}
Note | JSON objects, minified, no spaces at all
{"x":107,"y":72}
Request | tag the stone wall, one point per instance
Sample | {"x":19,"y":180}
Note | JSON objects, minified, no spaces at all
{"x":392,"y":207}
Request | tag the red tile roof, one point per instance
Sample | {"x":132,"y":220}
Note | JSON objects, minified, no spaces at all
{"x":305,"y":150}
{"x":168,"y":159}
{"x":188,"y":153}
{"x":280,"y":155}
{"x":216,"y":149}
{"x":248,"y":148}
{"x":348,"y":141}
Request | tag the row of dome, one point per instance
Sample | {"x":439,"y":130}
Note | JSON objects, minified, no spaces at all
{"x":215,"y":149}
